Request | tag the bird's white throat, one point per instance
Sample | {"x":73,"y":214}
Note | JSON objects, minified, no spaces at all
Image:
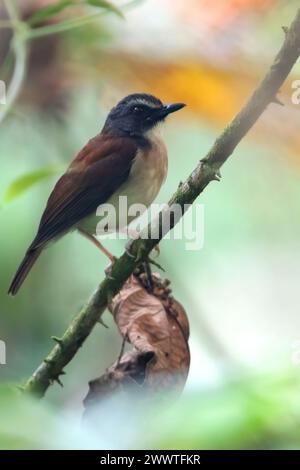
{"x":155,"y":133}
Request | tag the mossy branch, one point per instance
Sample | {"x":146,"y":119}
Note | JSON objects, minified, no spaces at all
{"x":206,"y":171}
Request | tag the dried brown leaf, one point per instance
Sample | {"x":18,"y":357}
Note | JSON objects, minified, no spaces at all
{"x":152,"y":324}
{"x":157,"y":327}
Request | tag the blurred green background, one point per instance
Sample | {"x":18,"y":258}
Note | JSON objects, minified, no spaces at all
{"x":240,"y":290}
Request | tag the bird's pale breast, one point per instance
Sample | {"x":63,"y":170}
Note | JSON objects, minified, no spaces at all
{"x":147,"y":174}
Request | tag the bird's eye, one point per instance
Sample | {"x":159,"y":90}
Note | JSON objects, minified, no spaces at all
{"x":137,"y":109}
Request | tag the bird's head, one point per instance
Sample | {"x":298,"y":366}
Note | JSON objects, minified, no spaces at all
{"x":138,"y":113}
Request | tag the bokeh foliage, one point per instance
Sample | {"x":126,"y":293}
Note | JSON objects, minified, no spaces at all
{"x":240,"y":291}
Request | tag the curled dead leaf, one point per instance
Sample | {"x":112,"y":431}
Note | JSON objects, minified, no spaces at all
{"x":157,"y":327}
{"x":154,"y":322}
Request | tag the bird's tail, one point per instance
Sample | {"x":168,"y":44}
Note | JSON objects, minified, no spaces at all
{"x":24,"y":268}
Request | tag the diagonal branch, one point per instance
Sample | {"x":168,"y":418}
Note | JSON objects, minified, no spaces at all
{"x":206,"y":171}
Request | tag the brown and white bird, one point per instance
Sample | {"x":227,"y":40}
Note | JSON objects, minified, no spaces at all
{"x":127,"y":158}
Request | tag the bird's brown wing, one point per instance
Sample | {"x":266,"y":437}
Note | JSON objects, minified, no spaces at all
{"x":95,"y":174}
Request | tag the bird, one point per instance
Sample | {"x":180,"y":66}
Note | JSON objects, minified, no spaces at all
{"x":127,"y":158}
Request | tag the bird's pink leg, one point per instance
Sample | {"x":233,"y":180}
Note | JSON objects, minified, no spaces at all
{"x":96,"y":242}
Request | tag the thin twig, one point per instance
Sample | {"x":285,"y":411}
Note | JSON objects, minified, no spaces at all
{"x":206,"y":171}
{"x":73,"y":23}
{"x":20,"y":49}
{"x":63,"y":26}
{"x":12,"y":11}
{"x":6,"y":24}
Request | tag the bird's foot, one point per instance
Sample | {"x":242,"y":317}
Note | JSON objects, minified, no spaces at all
{"x":127,"y":249}
{"x":155,"y":263}
{"x":157,"y":249}
{"x":108,"y":270}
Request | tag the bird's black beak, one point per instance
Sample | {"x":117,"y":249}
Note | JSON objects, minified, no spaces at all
{"x":169,"y":108}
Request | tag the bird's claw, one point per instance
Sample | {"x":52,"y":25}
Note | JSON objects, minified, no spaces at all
{"x":127,"y":250}
{"x":151,"y":261}
{"x":108,"y":270}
